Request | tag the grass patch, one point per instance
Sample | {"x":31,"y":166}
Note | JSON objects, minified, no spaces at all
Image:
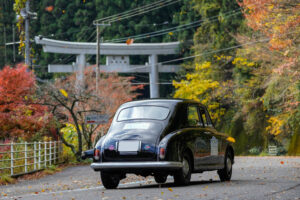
{"x":264,"y":153}
{"x":6,"y":179}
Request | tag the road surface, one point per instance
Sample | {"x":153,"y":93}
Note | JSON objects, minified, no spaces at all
{"x":253,"y":178}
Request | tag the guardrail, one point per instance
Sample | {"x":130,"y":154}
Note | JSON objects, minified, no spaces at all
{"x":23,"y":158}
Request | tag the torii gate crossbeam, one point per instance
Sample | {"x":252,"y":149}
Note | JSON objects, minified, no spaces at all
{"x":117,"y":57}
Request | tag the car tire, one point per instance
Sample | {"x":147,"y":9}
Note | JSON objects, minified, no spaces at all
{"x":159,"y":178}
{"x":226,"y":172}
{"x":109,"y":180}
{"x":183,"y":176}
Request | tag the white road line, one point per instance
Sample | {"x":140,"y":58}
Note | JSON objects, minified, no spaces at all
{"x":76,"y":190}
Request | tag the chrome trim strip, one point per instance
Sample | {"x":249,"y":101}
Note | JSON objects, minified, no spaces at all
{"x":139,"y":165}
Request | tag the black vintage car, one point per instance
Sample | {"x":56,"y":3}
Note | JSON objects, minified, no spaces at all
{"x":162,"y":137}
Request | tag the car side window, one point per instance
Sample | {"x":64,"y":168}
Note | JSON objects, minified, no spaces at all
{"x":202,"y":114}
{"x":193,"y":116}
{"x":209,"y":122}
{"x":205,"y":117}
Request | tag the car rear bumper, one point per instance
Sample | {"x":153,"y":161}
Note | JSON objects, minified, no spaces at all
{"x":159,"y":165}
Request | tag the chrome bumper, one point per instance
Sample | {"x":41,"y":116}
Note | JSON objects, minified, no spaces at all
{"x":136,"y":165}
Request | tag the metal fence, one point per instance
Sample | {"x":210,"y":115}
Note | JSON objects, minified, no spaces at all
{"x":23,"y":158}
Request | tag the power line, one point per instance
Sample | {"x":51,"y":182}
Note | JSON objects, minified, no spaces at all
{"x":217,"y":51}
{"x":181,"y":27}
{"x":143,"y":12}
{"x":137,"y":11}
{"x":220,"y":50}
{"x":126,"y":12}
{"x":177,"y":28}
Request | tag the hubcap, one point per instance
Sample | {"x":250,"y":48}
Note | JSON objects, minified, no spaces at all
{"x":229,"y":165}
{"x":185,"y":167}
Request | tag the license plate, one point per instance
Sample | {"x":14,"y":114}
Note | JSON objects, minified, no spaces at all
{"x":129,"y":146}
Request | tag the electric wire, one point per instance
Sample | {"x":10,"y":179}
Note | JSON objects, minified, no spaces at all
{"x":127,"y":11}
{"x":143,"y":12}
{"x":220,"y":50}
{"x":137,"y":11}
{"x":177,"y":28}
{"x":217,"y":51}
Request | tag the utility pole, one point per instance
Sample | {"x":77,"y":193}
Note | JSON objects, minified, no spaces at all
{"x":27,"y":15}
{"x":97,"y":57}
{"x":98,"y":53}
{"x":4,"y":37}
{"x":27,"y":36}
{"x":14,"y":46}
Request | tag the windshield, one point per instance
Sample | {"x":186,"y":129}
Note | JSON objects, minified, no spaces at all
{"x":144,"y":112}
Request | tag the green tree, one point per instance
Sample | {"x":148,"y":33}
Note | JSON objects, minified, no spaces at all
{"x":7,"y":22}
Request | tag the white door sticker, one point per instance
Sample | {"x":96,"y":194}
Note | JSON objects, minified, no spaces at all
{"x":214,"y":146}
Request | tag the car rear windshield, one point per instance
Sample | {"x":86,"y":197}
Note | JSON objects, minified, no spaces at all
{"x":144,"y":112}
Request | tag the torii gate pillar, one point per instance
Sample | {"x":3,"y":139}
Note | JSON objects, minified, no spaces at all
{"x":154,"y":86}
{"x":80,"y":61}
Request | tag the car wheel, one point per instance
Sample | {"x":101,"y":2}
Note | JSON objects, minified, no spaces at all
{"x":183,"y":176}
{"x":226,"y":172}
{"x":159,"y":178}
{"x":109,"y":180}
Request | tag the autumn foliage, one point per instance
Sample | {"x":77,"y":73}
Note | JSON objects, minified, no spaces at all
{"x":72,"y":100}
{"x":19,"y":115}
{"x":277,"y":19}
{"x":254,"y":89}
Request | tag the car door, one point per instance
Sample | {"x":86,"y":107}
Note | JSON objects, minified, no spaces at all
{"x":214,"y":140}
{"x":201,"y":148}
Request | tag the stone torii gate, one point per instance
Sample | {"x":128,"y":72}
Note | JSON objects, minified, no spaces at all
{"x":117,"y":58}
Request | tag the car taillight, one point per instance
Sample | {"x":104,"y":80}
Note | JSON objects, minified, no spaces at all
{"x":97,"y":154}
{"x":162,"y":153}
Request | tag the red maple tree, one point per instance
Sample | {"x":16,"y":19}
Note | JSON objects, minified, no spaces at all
{"x":20,"y":116}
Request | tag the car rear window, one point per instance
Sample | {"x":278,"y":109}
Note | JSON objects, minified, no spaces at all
{"x":144,"y":112}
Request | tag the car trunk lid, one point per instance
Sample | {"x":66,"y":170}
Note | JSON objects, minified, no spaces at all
{"x":132,"y":141}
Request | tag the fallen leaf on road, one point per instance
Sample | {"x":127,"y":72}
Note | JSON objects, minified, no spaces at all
{"x":29,"y":187}
{"x":43,"y":190}
{"x":162,"y":193}
{"x":282,"y":162}
{"x":170,"y":189}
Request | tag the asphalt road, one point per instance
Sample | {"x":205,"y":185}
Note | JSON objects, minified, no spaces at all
{"x":253,"y":178}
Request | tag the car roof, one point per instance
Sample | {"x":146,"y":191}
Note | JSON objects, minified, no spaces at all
{"x":158,"y":102}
